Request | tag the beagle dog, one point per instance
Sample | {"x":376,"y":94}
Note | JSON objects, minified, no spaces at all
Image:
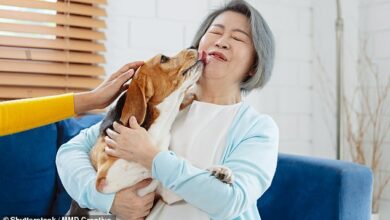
{"x":155,"y":96}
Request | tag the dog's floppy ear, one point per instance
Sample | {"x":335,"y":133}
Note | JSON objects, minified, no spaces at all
{"x":138,"y":94}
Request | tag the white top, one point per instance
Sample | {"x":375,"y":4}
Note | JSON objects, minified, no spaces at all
{"x":198,"y":135}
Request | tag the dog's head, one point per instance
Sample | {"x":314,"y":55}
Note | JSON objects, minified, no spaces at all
{"x":153,"y":82}
{"x":157,"y":79}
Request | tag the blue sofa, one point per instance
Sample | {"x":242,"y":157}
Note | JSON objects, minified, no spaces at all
{"x":303,"y":188}
{"x":307,"y":188}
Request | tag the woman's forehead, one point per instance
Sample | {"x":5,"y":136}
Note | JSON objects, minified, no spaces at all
{"x":233,"y":21}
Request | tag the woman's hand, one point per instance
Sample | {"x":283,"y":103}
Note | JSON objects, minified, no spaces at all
{"x":128,"y":205}
{"x":132,"y":144}
{"x":107,"y":91}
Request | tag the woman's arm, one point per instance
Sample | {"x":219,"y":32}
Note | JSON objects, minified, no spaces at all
{"x":79,"y":177}
{"x":76,"y":171}
{"x":24,"y":114}
{"x":253,"y":163}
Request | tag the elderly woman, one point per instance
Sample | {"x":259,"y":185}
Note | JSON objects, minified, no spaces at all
{"x":218,"y":128}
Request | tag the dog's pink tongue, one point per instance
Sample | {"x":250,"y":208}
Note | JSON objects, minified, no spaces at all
{"x":203,"y":57}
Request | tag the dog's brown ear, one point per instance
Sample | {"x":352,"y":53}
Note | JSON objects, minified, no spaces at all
{"x":138,"y":94}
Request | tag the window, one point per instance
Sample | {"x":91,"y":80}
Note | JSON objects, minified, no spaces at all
{"x":50,"y":47}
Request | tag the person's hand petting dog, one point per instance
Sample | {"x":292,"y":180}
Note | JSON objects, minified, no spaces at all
{"x":107,"y":91}
{"x":132,"y":144}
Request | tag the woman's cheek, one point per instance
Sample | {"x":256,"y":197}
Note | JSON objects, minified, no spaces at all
{"x":214,"y":70}
{"x":201,"y":44}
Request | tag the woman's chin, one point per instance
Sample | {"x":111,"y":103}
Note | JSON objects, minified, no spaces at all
{"x":213,"y":70}
{"x":211,"y":76}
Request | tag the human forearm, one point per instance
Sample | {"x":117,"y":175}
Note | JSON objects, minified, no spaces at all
{"x":24,"y":114}
{"x":85,"y":101}
{"x":77,"y":174}
{"x":252,"y":162}
{"x":200,"y":189}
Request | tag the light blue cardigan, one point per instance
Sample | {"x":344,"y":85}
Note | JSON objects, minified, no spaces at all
{"x":251,"y":153}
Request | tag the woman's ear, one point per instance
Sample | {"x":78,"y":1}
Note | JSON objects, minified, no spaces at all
{"x":249,"y":75}
{"x":251,"y":72}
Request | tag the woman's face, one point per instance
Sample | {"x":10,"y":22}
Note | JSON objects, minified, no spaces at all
{"x":229,"y":47}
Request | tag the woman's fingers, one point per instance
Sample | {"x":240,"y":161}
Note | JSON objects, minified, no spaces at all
{"x":118,"y":127}
{"x":133,"y":123}
{"x":124,"y":77}
{"x":146,"y":213}
{"x":144,"y":183}
{"x":111,"y":143}
{"x":149,"y":199}
{"x":111,"y":152}
{"x":112,"y":134}
{"x":149,"y":205}
{"x":124,"y":87}
{"x":132,"y":65}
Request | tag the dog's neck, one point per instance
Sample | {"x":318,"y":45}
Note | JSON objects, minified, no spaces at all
{"x":160,"y":130}
{"x":168,"y":109}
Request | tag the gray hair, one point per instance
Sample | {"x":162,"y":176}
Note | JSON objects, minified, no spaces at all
{"x":262,"y":38}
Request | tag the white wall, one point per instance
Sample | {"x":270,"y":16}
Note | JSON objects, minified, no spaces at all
{"x":137,"y":30}
{"x":362,"y":19}
{"x":324,"y":69}
{"x":288,"y":96}
{"x":375,"y":27}
{"x":324,"y":79}
{"x":367,"y":19}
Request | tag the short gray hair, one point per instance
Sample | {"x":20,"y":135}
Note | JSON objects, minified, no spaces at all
{"x":262,"y":38}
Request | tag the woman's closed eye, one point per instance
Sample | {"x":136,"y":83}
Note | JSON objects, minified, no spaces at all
{"x":238,"y":36}
{"x":215,"y":32}
{"x":238,"y":39}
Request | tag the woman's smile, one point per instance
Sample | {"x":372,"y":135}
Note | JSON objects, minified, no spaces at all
{"x":217,"y":56}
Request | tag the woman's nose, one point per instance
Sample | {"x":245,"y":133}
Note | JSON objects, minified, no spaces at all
{"x":221,"y":43}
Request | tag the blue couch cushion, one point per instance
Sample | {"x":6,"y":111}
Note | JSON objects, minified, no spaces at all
{"x":28,"y":172}
{"x":314,"y":188}
{"x":29,"y":184}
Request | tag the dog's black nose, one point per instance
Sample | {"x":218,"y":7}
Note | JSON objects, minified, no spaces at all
{"x":192,"y":47}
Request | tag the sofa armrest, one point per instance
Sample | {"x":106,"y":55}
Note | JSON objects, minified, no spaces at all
{"x":313,"y":188}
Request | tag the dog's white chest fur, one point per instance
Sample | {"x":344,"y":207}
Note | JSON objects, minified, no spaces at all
{"x":168,"y":112}
{"x":123,"y":173}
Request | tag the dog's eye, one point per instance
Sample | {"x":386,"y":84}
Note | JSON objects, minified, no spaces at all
{"x":164,"y":59}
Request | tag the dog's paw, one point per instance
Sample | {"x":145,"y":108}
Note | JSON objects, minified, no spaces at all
{"x":188,"y":99}
{"x":222,"y":173}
